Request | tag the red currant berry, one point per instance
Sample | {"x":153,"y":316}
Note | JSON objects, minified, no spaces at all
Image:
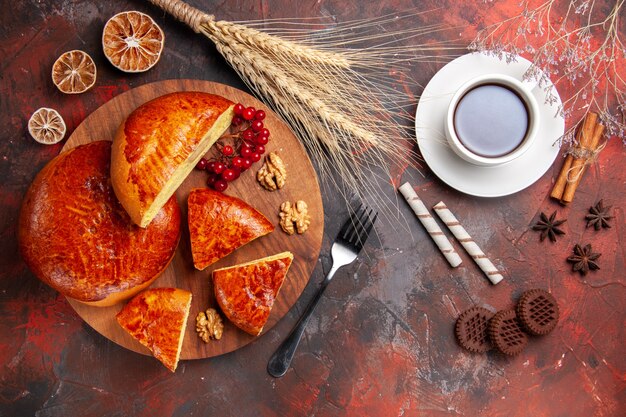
{"x":210,"y":166}
{"x":265,"y":132}
{"x":255,"y":156}
{"x":227,"y":150}
{"x":228,"y":175}
{"x":237,"y":120}
{"x":245,"y":152}
{"x":219,"y":167}
{"x":237,"y":161}
{"x":201,"y":165}
{"x":246,"y":164}
{"x":256,"y":125}
{"x":239,"y":108}
{"x":211,"y":180}
{"x":237,"y":171}
{"x":248,"y":113}
{"x":259,"y":115}
{"x":259,"y":149}
{"x":248,"y":134}
{"x":220,"y":185}
{"x":261,"y":140}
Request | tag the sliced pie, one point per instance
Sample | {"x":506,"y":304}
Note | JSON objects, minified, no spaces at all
{"x":219,"y":224}
{"x":246,"y":292}
{"x":157,"y":318}
{"x":158,"y":145}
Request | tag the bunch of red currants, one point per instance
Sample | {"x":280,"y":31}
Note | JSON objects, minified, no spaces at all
{"x":239,"y":149}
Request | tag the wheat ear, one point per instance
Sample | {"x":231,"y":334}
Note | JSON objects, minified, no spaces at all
{"x":199,"y":20}
{"x":342,"y":102}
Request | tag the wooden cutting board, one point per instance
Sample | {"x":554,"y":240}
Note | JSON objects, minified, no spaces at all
{"x":301,"y":185}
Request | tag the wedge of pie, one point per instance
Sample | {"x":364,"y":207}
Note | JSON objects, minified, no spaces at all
{"x":157,"y":318}
{"x":219,"y":224}
{"x":246,"y":292}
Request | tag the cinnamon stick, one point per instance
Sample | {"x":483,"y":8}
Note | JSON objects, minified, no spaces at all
{"x":561,"y":180}
{"x":583,"y":137}
{"x":579,"y":165}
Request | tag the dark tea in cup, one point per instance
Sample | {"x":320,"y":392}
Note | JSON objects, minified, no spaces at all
{"x":491,"y":120}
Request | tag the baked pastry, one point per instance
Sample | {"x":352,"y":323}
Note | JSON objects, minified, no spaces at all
{"x":76,"y":237}
{"x":246,"y":292}
{"x":157,"y":318}
{"x":159,"y":144}
{"x":219,"y":224}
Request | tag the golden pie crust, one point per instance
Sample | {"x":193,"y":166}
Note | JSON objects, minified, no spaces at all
{"x":76,"y":237}
{"x":219,"y":224}
{"x":157,"y":318}
{"x":246,"y":293}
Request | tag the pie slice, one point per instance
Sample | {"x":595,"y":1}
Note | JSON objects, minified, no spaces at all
{"x":159,"y":144}
{"x":246,"y":292}
{"x":157,"y":318}
{"x":219,"y":224}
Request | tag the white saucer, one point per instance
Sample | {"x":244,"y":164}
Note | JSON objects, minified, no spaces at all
{"x":471,"y":179}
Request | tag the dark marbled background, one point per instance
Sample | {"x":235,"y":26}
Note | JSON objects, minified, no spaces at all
{"x":381,"y":343}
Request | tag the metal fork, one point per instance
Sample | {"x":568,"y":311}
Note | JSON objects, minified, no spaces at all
{"x":345,"y":249}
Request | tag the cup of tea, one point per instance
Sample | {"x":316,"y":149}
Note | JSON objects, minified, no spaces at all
{"x":492,"y":119}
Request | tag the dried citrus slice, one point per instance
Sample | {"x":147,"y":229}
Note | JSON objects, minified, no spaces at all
{"x":74,"y":72}
{"x":46,"y":126}
{"x":132,"y":41}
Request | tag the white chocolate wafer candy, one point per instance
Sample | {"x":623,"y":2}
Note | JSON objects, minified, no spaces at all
{"x":468,"y":243}
{"x":430,"y":224}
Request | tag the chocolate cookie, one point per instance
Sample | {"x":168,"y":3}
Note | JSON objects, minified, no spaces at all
{"x":506,"y":334}
{"x":538,"y":312}
{"x":471,"y":329}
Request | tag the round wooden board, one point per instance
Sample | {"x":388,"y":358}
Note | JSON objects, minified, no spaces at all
{"x":301,"y":185}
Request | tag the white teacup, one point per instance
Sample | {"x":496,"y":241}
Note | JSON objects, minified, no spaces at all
{"x":495,"y":121}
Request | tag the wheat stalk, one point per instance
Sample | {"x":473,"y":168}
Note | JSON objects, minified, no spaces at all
{"x":340,"y":99}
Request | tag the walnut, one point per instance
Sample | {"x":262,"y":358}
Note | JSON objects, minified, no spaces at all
{"x":294,"y":217}
{"x":209,"y":325}
{"x":272,"y":174}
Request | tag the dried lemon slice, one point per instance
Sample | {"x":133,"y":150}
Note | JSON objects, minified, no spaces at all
{"x":132,"y":41}
{"x":74,"y":72}
{"x":46,"y":126}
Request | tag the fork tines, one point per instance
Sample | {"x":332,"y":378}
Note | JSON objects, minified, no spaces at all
{"x":357,"y":228}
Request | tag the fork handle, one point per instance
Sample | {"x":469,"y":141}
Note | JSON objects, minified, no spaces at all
{"x":281,"y":359}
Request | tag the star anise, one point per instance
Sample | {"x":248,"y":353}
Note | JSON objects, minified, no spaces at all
{"x":584,"y":260}
{"x":598,"y":216}
{"x":548,"y":226}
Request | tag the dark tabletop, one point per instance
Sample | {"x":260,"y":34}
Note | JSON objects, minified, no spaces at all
{"x":382,"y":340}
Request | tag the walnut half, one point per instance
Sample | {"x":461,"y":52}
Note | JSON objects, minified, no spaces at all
{"x":209,"y":325}
{"x":273,"y":173}
{"x":294,"y":218}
